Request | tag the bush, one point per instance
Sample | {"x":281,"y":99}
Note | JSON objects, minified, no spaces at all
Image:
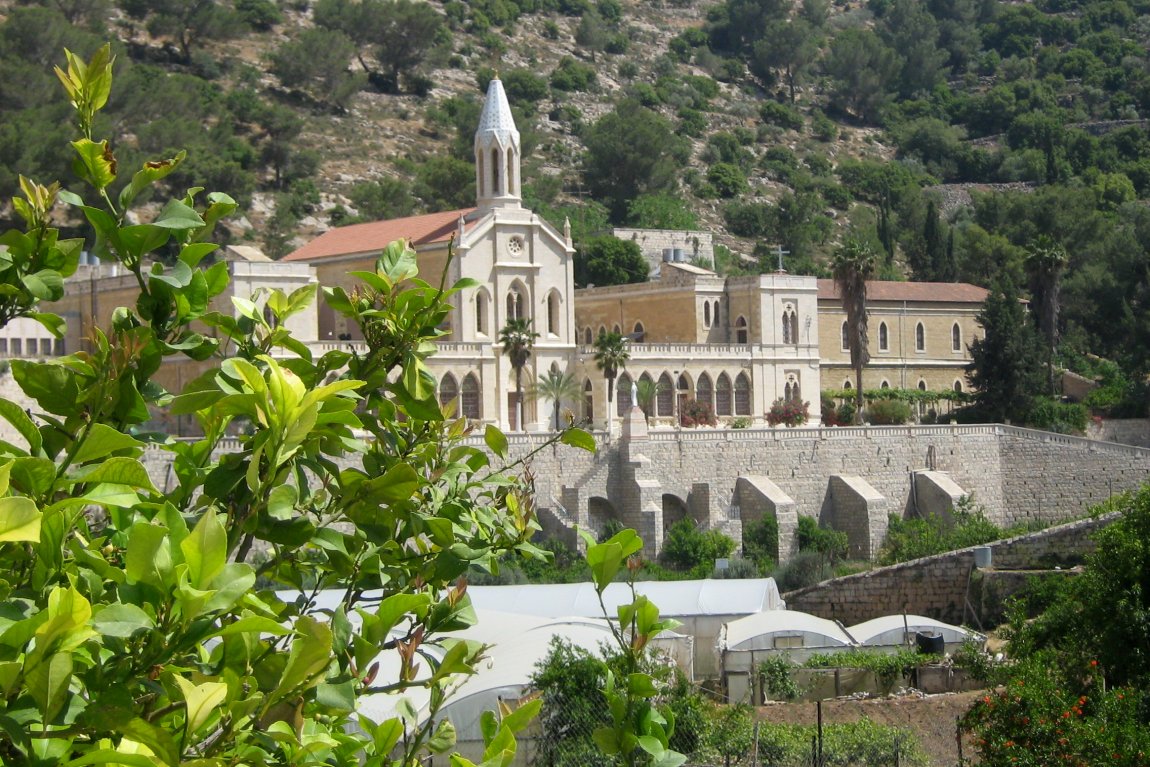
{"x":831,"y":544}
{"x":741,"y":422}
{"x":727,"y":179}
{"x":258,"y":14}
{"x":925,"y":536}
{"x":774,"y":113}
{"x":690,"y":548}
{"x":1061,"y":417}
{"x":737,"y":569}
{"x":888,"y":412}
{"x":804,"y":569}
{"x":789,"y":413}
{"x":694,"y":413}
{"x":570,"y":75}
{"x":761,"y":542}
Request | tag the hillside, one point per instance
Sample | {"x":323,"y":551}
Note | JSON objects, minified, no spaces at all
{"x":952,"y":135}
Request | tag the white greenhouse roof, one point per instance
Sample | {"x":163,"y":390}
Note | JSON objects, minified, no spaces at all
{"x":756,"y":632}
{"x":890,"y":630}
{"x":677,"y":598}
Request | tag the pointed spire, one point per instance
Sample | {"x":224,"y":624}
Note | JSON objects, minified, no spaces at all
{"x":567,"y":230}
{"x":459,"y":237}
{"x":496,"y":124}
{"x":497,"y":169}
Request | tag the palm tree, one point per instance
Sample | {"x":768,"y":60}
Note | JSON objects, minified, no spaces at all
{"x":1045,"y":260}
{"x":557,"y":387}
{"x":610,"y":355}
{"x":647,"y":390}
{"x":517,"y":339}
{"x":853,"y":265}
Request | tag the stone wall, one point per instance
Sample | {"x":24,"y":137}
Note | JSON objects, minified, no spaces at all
{"x":947,"y":587}
{"x":1126,"y":431}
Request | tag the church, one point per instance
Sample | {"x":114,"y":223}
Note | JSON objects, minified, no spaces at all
{"x":737,"y":344}
{"x":734,"y":343}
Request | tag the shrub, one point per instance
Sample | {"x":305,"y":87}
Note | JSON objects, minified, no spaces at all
{"x":727,"y":179}
{"x":925,"y":536}
{"x":570,"y":75}
{"x":774,"y":113}
{"x":888,"y":412}
{"x":258,"y":14}
{"x":829,"y":412}
{"x":692,"y":549}
{"x":694,"y":413}
{"x":823,"y":127}
{"x":788,"y":413}
{"x":1062,"y":417}
{"x":761,"y":542}
{"x":832,"y":544}
{"x":741,"y":422}
{"x":738,"y":568}
{"x":804,"y":569}
{"x":777,"y":681}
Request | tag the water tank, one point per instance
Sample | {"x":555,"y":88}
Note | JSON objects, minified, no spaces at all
{"x":680,"y":255}
{"x":983,"y":556}
{"x":929,"y":643}
{"x":668,"y":255}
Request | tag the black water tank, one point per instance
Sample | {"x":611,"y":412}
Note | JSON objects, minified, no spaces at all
{"x":930,"y":643}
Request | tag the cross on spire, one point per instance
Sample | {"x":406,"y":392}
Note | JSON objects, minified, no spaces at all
{"x":780,"y":253}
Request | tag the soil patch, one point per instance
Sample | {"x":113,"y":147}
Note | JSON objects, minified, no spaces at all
{"x":932,"y":718}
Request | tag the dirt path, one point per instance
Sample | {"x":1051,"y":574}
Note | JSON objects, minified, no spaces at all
{"x":932,"y":718}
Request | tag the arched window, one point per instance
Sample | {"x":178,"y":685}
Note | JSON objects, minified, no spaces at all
{"x":588,"y":399}
{"x":958,"y":386}
{"x":480,"y":172}
{"x":704,"y":392}
{"x":919,"y":338}
{"x":616,"y":329}
{"x":921,"y":385}
{"x":448,"y":392}
{"x":471,"y":404}
{"x":716,"y":319}
{"x":639,"y":333}
{"x":795,"y":328}
{"x":623,"y":395}
{"x":847,"y":384}
{"x":665,"y":398}
{"x":511,"y":172}
{"x":516,"y":303}
{"x":588,"y":336}
{"x":602,"y":331}
{"x":553,"y":313}
{"x":791,"y":391}
{"x":846,"y":337}
{"x":787,"y":327}
{"x":723,"y":395}
{"x":884,"y":385}
{"x":742,"y":395}
{"x":706,"y":314}
{"x":883,"y":338}
{"x":955,"y":338}
{"x":495,"y":172}
{"x":481,"y":311}
{"x":741,"y":336}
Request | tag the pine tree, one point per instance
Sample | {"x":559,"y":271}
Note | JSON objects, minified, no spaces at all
{"x":1005,"y":366}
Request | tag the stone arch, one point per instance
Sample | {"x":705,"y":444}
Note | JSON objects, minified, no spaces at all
{"x":723,"y":392}
{"x":705,"y":390}
{"x":588,"y":336}
{"x":482,"y":311}
{"x":742,"y":394}
{"x":588,"y":401}
{"x":674,"y":510}
{"x":958,"y":386}
{"x":665,"y":397}
{"x":623,"y":394}
{"x":517,"y":302}
{"x":471,"y":400}
{"x":448,"y":392}
{"x":600,"y":512}
{"x":742,"y":333}
{"x":638,"y":333}
{"x":920,"y":337}
{"x":553,"y":313}
{"x":955,"y":337}
{"x":845,"y":337}
{"x":883,"y":337}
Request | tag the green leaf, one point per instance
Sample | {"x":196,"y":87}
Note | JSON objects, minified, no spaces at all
{"x":94,"y":162}
{"x":253,"y":624}
{"x":15,"y":415}
{"x":148,"y":175}
{"x":443,"y":740}
{"x":32,"y":476}
{"x":399,"y":483}
{"x":108,"y":756}
{"x":309,"y":656}
{"x":149,"y":557}
{"x":46,"y":285}
{"x":201,"y":700}
{"x":580,"y":439}
{"x":52,"y":386}
{"x":118,"y":470}
{"x":496,"y":440}
{"x":340,"y":697}
{"x":121,"y":620}
{"x":48,"y":682}
{"x":205,"y":550}
{"x":641,"y":686}
{"x":177,"y":215}
{"x":19,"y":520}
{"x":102,"y":441}
{"x":522,"y":716}
{"x":53,"y":323}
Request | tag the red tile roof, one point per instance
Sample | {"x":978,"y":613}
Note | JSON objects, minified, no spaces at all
{"x":365,"y":238}
{"x":945,"y":292}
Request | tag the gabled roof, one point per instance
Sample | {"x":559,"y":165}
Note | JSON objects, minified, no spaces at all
{"x":942,"y":292}
{"x":375,"y":236}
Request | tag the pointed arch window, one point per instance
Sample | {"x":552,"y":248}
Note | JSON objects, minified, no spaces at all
{"x":791,"y":391}
{"x":920,"y":338}
{"x":588,"y":400}
{"x":717,"y":318}
{"x":665,"y":399}
{"x":883,"y":338}
{"x":846,"y":337}
{"x":588,"y":336}
{"x":704,"y":392}
{"x":481,"y":312}
{"x":623,"y":395}
{"x":638,"y":333}
{"x":921,"y":385}
{"x":553,"y":313}
{"x":955,"y":338}
{"x":742,"y":395}
{"x":471,"y":404}
{"x":723,"y":395}
{"x":741,"y":334}
{"x":511,"y":171}
{"x":706,"y":314}
{"x":495,"y":191}
{"x":516,"y":303}
{"x":958,"y":387}
{"x":448,"y":391}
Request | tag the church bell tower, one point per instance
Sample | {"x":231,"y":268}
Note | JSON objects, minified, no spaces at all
{"x":497,"y":180}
